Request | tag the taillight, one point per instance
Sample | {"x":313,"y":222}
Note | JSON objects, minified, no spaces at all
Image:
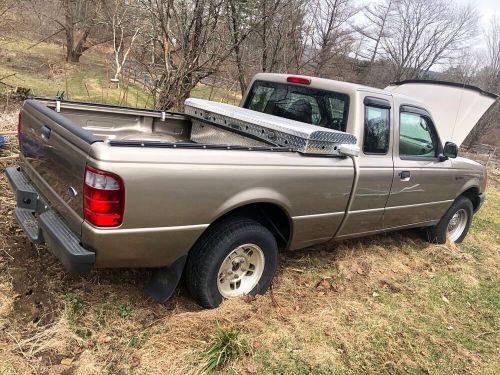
{"x":300,"y":80}
{"x":103,"y":198}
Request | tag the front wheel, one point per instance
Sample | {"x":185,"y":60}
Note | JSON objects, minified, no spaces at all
{"x":235,"y":257}
{"x":454,"y":224}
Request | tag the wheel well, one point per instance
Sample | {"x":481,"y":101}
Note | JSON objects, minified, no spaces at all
{"x":473,"y":195}
{"x":270,"y":215}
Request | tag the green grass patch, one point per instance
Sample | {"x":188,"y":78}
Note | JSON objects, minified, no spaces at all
{"x":224,"y":347}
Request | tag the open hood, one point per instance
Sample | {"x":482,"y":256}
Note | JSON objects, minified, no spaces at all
{"x":455,"y":108}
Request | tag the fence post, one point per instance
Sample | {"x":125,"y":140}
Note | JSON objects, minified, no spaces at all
{"x":491,"y":155}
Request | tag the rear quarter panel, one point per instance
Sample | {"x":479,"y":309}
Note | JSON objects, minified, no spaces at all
{"x":172,"y":195}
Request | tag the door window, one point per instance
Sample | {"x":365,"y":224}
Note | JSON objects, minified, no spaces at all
{"x":377,"y":134}
{"x":416,"y":136}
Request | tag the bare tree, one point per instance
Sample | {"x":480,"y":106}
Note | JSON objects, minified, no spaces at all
{"x":189,"y":44}
{"x":425,"y":33}
{"x":82,"y":20}
{"x":492,"y":37}
{"x":375,"y":29}
{"x":121,"y":17}
{"x":236,"y":16}
{"x":332,"y":35}
{"x":5,"y":7}
{"x":489,"y":78}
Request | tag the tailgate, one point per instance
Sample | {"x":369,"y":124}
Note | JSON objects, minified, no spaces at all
{"x":53,"y":154}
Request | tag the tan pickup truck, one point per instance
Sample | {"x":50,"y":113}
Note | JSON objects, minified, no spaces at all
{"x":217,"y":192}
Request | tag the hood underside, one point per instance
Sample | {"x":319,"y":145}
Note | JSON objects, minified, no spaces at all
{"x":455,"y":108}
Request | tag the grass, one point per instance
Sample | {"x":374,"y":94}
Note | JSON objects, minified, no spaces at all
{"x":43,"y":70}
{"x":385,"y":304}
{"x":225,"y":346}
{"x":75,"y":304}
{"x":392,"y":304}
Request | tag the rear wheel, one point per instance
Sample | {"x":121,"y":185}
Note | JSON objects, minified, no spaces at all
{"x":454,"y":224}
{"x":235,"y":257}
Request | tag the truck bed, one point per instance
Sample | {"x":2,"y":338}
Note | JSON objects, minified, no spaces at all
{"x":106,"y":122}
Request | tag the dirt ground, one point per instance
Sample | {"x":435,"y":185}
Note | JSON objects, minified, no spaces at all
{"x":389,"y":303}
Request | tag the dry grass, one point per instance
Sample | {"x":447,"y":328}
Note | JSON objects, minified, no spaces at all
{"x":390,"y":304}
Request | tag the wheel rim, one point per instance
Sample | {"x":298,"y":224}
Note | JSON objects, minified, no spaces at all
{"x":240,"y":272}
{"x":457,"y":224}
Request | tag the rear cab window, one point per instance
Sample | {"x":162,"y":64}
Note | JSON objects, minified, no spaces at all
{"x":300,"y":103}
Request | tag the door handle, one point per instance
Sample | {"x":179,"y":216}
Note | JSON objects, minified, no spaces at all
{"x":405,"y":175}
{"x":46,"y":132}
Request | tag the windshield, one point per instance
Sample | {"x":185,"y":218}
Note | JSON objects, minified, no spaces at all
{"x":299,"y":103}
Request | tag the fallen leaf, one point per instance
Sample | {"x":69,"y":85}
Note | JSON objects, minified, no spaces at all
{"x":375,"y":294}
{"x":445,"y":299}
{"x":66,"y":361}
{"x":257,"y":344}
{"x":338,"y":288}
{"x":248,"y":298}
{"x":251,"y":370}
{"x":104,"y":339}
{"x":323,"y":284}
{"x":79,"y":350}
{"x":136,"y":361}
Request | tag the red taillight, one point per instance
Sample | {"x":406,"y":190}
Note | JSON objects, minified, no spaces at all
{"x":300,"y":80}
{"x":19,"y":130}
{"x":103,"y":198}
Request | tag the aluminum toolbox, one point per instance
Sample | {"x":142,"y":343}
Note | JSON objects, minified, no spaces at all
{"x":208,"y":117}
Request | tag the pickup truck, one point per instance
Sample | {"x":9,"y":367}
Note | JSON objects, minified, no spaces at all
{"x":106,"y":186}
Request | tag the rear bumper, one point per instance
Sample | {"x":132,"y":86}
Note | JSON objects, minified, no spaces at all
{"x":42,"y":225}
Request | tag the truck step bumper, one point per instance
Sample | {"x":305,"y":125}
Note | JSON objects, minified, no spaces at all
{"x":29,"y":224}
{"x":47,"y":227}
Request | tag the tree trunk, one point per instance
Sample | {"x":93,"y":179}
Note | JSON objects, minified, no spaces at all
{"x":235,"y":31}
{"x":73,"y":52}
{"x":72,"y":56}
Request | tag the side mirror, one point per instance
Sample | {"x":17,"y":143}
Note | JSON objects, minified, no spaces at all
{"x":450,"y":150}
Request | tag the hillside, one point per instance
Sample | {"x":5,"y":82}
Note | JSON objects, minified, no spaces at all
{"x":43,"y":70}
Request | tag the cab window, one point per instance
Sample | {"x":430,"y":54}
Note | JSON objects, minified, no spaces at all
{"x":300,"y":103}
{"x":416,"y":136}
{"x":377,"y":130}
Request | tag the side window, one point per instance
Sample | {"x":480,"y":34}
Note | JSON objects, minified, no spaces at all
{"x":416,"y":136}
{"x":377,"y":130}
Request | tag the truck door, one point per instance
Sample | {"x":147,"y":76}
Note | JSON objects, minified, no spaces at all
{"x":422,"y":179}
{"x":375,"y":168}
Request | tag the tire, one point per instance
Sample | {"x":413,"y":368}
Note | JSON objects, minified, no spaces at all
{"x":224,"y":255}
{"x":439,"y":232}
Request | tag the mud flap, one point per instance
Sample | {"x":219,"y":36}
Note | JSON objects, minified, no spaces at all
{"x":164,"y":280}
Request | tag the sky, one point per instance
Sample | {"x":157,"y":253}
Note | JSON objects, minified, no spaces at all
{"x":486,"y":7}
